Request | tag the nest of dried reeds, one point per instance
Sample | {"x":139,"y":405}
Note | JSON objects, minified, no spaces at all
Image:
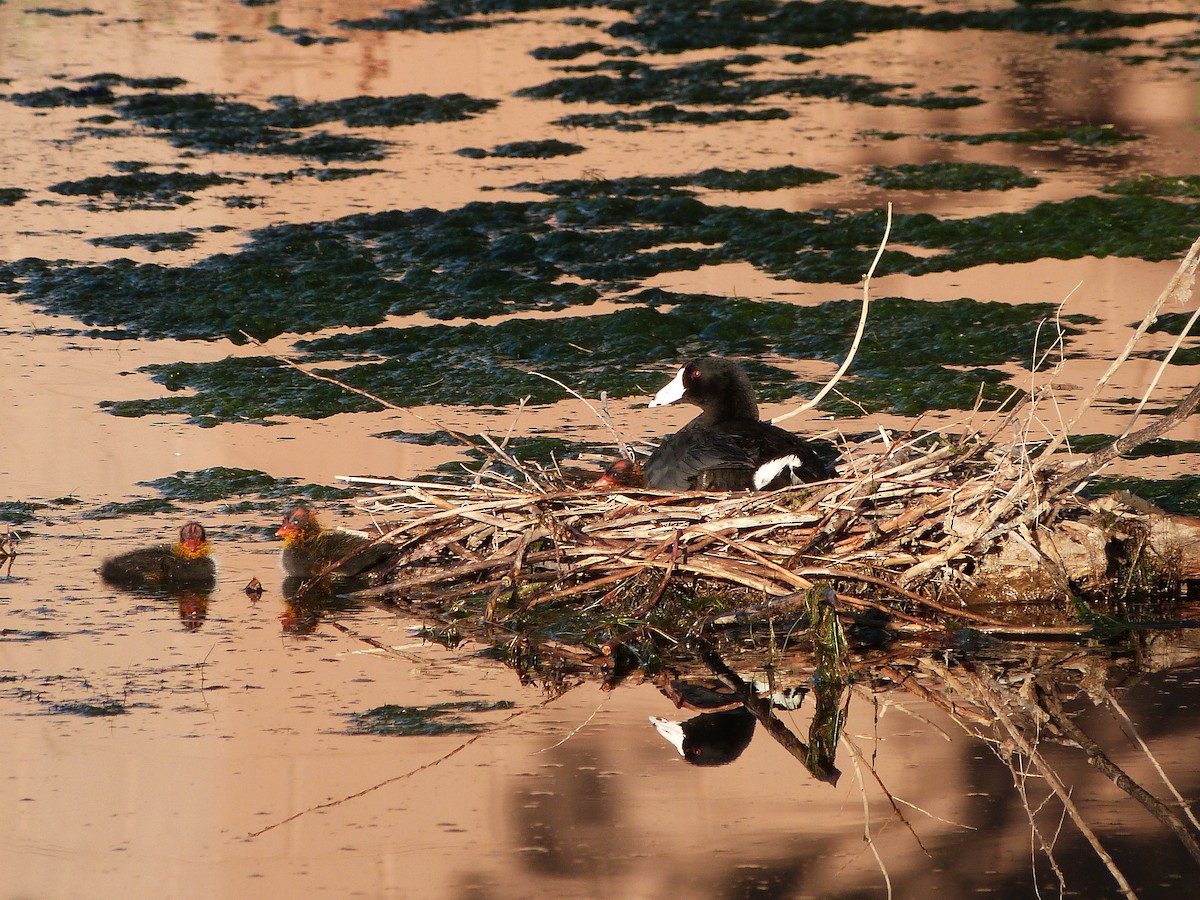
{"x":922,"y":525}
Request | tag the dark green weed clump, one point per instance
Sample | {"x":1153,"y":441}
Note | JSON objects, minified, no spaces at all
{"x":155,"y":243}
{"x":1083,"y":135}
{"x":1096,"y":44}
{"x":241,"y":485}
{"x":721,"y":82}
{"x":217,"y":125}
{"x":1187,"y":186}
{"x":11,"y":196}
{"x":19,"y":512}
{"x":592,"y":239}
{"x":772,"y":179}
{"x":423,"y":721}
{"x":525,"y":150}
{"x":910,"y":360}
{"x":1175,"y":495}
{"x":171,"y":188}
{"x":949,"y":176}
{"x":89,"y":710}
{"x":305,"y":37}
{"x":668,"y":114}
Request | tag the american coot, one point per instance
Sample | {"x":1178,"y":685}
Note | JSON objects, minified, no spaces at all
{"x":308,"y":549}
{"x":186,"y":563}
{"x":727,"y":446}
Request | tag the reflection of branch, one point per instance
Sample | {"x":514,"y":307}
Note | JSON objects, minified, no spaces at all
{"x":760,"y":708}
{"x":411,"y":772}
{"x":861,"y":760}
{"x":867,"y":838}
{"x":1105,"y":766}
{"x":990,"y":695}
{"x":1111,"y":702}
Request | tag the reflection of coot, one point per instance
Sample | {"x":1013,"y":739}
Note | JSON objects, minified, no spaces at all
{"x":303,"y":612}
{"x":709,"y":739}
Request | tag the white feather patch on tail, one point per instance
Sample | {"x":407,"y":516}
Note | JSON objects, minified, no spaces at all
{"x":769,"y":471}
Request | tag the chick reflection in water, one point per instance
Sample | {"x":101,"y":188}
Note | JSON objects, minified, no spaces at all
{"x":184,"y":572}
{"x":306,"y":603}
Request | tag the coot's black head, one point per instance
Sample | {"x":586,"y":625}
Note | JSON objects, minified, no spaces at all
{"x":717,"y":386}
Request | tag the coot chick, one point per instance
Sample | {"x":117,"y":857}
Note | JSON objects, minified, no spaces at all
{"x":309,"y":550}
{"x":186,"y":563}
{"x":624,"y":473}
{"x":727,"y":446}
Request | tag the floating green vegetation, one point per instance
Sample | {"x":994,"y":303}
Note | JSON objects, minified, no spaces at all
{"x":89,"y":710}
{"x":151,"y":506}
{"x":242,"y":490}
{"x":545,"y":451}
{"x":58,"y":12}
{"x":1158,"y":186}
{"x":323,"y":174}
{"x":139,"y":188}
{"x":772,"y":179}
{"x":19,"y":512}
{"x":423,"y":721}
{"x":97,"y":90}
{"x":10,"y":196}
{"x":668,"y":114}
{"x":524,"y":150}
{"x":715,"y":82}
{"x":50,"y":98}
{"x":949,"y":176}
{"x":154,"y":243}
{"x":422,"y":439}
{"x":1176,"y":495}
{"x":672,"y":26}
{"x":225,"y":483}
{"x":486,"y":259}
{"x":239,"y":390}
{"x":17,"y":637}
{"x":628,"y":353}
{"x":305,"y":37}
{"x":567,"y":51}
{"x":1090,"y":443}
{"x":1096,"y":44}
{"x":1084,"y":135}
{"x":1171,"y":323}
{"x":214,"y":124}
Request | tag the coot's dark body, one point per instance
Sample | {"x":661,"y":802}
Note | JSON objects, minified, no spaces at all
{"x":727,"y":446}
{"x":188,"y":563}
{"x":308,"y":549}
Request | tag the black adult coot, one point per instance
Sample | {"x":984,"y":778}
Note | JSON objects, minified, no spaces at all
{"x":727,"y":446}
{"x":186,"y":563}
{"x":309,"y":549}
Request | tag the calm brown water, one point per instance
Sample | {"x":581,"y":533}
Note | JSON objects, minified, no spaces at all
{"x":238,"y":725}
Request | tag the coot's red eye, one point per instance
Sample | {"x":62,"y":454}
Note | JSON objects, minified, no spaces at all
{"x":694,"y":375}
